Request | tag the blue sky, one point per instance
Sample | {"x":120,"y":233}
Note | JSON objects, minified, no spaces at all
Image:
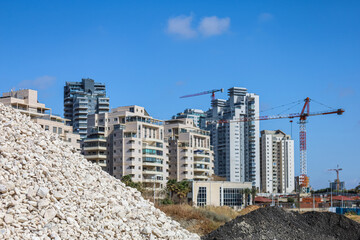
{"x":151,"y":52}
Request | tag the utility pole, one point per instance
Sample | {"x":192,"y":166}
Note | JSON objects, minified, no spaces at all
{"x":313,"y":201}
{"x":154,"y":189}
{"x":298,"y":184}
{"x":331,"y":194}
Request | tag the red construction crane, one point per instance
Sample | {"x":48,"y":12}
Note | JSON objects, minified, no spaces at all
{"x":206,"y":92}
{"x":337,"y":170}
{"x":305,"y":113}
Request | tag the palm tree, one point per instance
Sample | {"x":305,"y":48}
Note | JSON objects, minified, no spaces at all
{"x":253,"y":195}
{"x":171,"y":187}
{"x":247,"y":193}
{"x":182,"y":189}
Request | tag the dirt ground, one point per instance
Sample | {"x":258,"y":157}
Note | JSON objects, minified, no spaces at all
{"x":275,"y":223}
{"x":356,"y":218}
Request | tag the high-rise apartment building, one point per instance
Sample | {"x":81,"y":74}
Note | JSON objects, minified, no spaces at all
{"x":190,"y":153}
{"x":80,"y":100}
{"x":95,"y":146}
{"x":236,"y":143}
{"x":199,"y":117}
{"x":277,"y":162}
{"x":26,"y":101}
{"x":135,"y":145}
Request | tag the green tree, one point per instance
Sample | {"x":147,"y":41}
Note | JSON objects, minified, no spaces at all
{"x":126,"y":180}
{"x":129,"y":182}
{"x":357,"y":188}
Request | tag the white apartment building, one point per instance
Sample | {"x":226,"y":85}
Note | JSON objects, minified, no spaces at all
{"x":190,"y":154}
{"x":135,"y":145}
{"x":199,"y":117}
{"x":26,"y":101}
{"x":236,"y":143}
{"x":95,"y":146}
{"x":277,"y":162}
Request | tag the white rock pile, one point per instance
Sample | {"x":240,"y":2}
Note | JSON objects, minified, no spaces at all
{"x":49,"y":191}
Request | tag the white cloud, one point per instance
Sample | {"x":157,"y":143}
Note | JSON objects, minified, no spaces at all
{"x":265,"y":17}
{"x":181,"y":26}
{"x":210,"y":26}
{"x":180,"y":83}
{"x":39,"y":83}
{"x":346,"y":92}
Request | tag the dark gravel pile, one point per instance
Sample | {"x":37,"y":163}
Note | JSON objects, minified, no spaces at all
{"x":275,"y":223}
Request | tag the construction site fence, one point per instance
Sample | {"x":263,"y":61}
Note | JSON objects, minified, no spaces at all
{"x":340,"y":210}
{"x":317,"y":205}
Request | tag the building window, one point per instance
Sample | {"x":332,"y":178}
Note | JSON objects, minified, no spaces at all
{"x":60,"y":130}
{"x":54,"y":129}
{"x":201,"y":196}
{"x":232,"y":197}
{"x":46,"y":127}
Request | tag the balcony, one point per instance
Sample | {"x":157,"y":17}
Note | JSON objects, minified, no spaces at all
{"x":95,"y":156}
{"x":80,"y":117}
{"x":81,"y":112}
{"x":152,"y":180}
{"x":201,"y":154}
{"x":129,"y":135}
{"x":156,"y":145}
{"x":200,"y":177}
{"x":101,"y":163}
{"x":95,"y":148}
{"x":184,"y":145}
{"x":97,"y":139}
{"x":103,"y":107}
{"x":201,"y":167}
{"x":202,"y":161}
{"x":152,"y":152}
{"x":68,"y":103}
{"x":152,"y":161}
{"x":152,"y":172}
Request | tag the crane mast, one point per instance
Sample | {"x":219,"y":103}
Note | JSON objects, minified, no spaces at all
{"x":305,"y":112}
{"x":337,"y":170}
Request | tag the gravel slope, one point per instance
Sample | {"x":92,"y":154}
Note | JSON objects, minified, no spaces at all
{"x":49,"y":191}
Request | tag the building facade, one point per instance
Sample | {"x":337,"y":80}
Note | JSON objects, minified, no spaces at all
{"x":190,"y":154}
{"x":26,"y":101}
{"x":277,"y":162}
{"x":135,"y":145}
{"x":80,"y":100}
{"x":95,"y":146}
{"x":220,"y":193}
{"x":197,"y":115}
{"x":235,"y":141}
{"x":333,"y":185}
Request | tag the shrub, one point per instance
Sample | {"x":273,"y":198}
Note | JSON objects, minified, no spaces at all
{"x":166,"y":201}
{"x":350,"y":213}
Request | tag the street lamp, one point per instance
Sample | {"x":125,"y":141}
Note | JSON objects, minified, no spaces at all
{"x":154,"y":187}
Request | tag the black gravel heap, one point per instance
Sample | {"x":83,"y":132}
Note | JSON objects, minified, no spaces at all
{"x":275,"y":223}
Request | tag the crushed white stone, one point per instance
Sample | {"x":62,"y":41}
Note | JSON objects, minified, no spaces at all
{"x":50,"y":191}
